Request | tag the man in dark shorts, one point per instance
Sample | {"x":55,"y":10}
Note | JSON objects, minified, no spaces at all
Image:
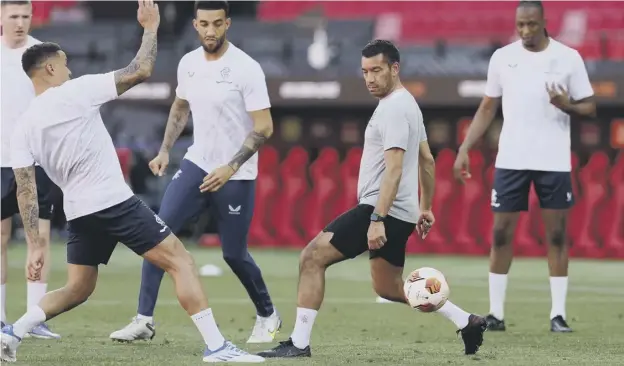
{"x":17,"y":93}
{"x":543,"y":82}
{"x":396,"y":154}
{"x":62,"y":130}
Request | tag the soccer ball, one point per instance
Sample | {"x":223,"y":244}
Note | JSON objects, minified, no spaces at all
{"x":426,"y":289}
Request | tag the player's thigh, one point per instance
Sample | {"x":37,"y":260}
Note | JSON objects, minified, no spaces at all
{"x":397,"y":234}
{"x":169,"y":255}
{"x":510,"y":192}
{"x":9,"y":194}
{"x":183,"y":200}
{"x":349,"y":231}
{"x":233,"y":205}
{"x":554,"y":190}
{"x":81,"y":279}
{"x":45,"y":194}
{"x":135,"y":225}
{"x":385,"y":275}
{"x":88,"y":242}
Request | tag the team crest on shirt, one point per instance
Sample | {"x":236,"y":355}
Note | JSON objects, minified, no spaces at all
{"x":225,"y":76}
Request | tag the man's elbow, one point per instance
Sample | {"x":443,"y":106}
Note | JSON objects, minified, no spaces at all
{"x":427,"y":161}
{"x":264,"y":129}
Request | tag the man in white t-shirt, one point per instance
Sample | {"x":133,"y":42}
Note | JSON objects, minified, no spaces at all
{"x":541,"y":82}
{"x":396,"y":162}
{"x":17,"y":93}
{"x":225,"y":89}
{"x":62,"y":130}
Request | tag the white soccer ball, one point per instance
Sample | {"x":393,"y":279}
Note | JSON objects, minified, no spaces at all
{"x":426,"y":289}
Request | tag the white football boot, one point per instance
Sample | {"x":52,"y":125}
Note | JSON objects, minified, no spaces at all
{"x":138,"y":329}
{"x":265,"y":329}
{"x":230,"y":353}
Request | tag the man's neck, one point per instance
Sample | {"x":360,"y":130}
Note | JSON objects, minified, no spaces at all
{"x":541,"y":46}
{"x":41,"y":86}
{"x":217,"y":55}
{"x":397,"y":86}
{"x":13,"y":44}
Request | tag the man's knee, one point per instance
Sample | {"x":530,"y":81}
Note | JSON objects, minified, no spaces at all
{"x":6,"y":233}
{"x":504,"y":226}
{"x":170,"y":255}
{"x":80,"y":290}
{"x":557,"y":237}
{"x":319,"y":253}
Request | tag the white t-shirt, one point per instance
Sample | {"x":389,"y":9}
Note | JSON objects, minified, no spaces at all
{"x":221,"y":94}
{"x":16,"y":93}
{"x":63,"y":131}
{"x":535,"y":134}
{"x":396,"y":123}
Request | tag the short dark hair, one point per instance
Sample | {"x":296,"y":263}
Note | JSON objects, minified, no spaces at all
{"x":384,"y":47}
{"x":37,"y":54}
{"x":213,"y":5}
{"x":535,"y":4}
{"x":9,"y":2}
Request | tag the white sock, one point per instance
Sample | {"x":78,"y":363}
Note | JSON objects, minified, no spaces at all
{"x":558,"y":293}
{"x":498,"y":290}
{"x":3,"y":301}
{"x":149,"y":319}
{"x":453,"y":313}
{"x":205,"y":323}
{"x":303,"y":327}
{"x":33,"y":317}
{"x":35,"y":291}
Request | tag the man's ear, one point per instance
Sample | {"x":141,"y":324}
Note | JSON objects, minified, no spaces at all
{"x":49,"y":68}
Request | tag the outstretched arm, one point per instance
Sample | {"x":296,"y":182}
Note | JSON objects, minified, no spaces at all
{"x":143,"y":63}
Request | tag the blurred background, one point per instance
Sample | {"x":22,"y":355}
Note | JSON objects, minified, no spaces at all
{"x":310,"y":53}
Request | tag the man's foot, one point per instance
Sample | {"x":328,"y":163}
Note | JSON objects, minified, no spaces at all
{"x":138,"y":329}
{"x":472,"y":334}
{"x":286,"y":349}
{"x":559,"y":325}
{"x":42,"y":331}
{"x":9,"y":342}
{"x":230,"y":353}
{"x":494,"y":324}
{"x":265,"y":329}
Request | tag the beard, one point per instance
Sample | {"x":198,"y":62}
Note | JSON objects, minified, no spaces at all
{"x":214,"y":49}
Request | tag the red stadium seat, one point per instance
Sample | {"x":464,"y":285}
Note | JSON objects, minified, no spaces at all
{"x":294,"y":179}
{"x":267,"y":187}
{"x":592,"y":179}
{"x":349,"y":171}
{"x":611,"y":230}
{"x":470,"y":200}
{"x":439,"y":239}
{"x":318,"y":207}
{"x":125,"y":161}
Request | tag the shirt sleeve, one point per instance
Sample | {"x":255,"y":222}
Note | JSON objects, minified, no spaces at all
{"x":96,"y":89}
{"x":255,"y":91}
{"x":395,"y":129}
{"x":580,"y":87}
{"x":493,"y":87}
{"x":21,"y":157}
{"x":181,"y":88}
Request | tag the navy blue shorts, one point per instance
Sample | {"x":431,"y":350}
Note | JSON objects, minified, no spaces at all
{"x":92,"y":238}
{"x":232,"y":205}
{"x":511,"y":190}
{"x":46,"y":193}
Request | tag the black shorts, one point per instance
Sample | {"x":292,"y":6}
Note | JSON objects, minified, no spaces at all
{"x":46,"y":193}
{"x":92,"y":238}
{"x":511,"y":190}
{"x":351,"y":235}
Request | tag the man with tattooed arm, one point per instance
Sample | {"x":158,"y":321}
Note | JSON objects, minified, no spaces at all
{"x":62,"y":130}
{"x":226,"y":91}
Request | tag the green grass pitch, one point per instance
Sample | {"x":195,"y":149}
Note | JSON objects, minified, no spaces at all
{"x":351,"y":328}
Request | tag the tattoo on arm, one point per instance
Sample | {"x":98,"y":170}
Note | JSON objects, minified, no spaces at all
{"x":251,"y":145}
{"x":178,"y":117}
{"x":28,"y":202}
{"x":141,"y":66}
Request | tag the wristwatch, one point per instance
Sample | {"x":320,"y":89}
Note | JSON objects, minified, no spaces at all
{"x":376,"y":217}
